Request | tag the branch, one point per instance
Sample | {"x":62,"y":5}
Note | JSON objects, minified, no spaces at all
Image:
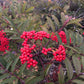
{"x":74,"y":78}
{"x":12,"y":74}
{"x":65,"y":23}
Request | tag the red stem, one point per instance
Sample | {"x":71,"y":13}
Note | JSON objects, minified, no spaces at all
{"x":65,"y":23}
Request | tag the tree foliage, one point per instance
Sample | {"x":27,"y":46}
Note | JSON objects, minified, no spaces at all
{"x":50,"y":16}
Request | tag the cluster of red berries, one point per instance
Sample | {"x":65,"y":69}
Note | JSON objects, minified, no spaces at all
{"x":4,"y":42}
{"x":34,"y":35}
{"x":28,"y":35}
{"x":27,"y":55}
{"x":40,"y":35}
{"x":45,"y":51}
{"x":29,"y":48}
{"x":60,"y":54}
{"x":54,"y":37}
{"x":62,"y":36}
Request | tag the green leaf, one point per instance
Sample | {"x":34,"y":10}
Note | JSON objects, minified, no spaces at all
{"x":13,"y":65}
{"x":75,"y":21}
{"x":63,"y":17}
{"x":55,"y":20}
{"x":79,"y":39}
{"x":4,"y":76}
{"x":19,"y":25}
{"x":66,"y":7}
{"x":1,"y":71}
{"x":81,"y":48}
{"x":70,"y":53}
{"x":67,"y":36}
{"x":10,"y":22}
{"x":72,"y":48}
{"x":29,"y":79}
{"x":25,"y":23}
{"x":83,"y":61}
{"x":3,"y":61}
{"x":24,"y":7}
{"x":82,"y":76}
{"x":50,"y":23}
{"x":19,"y":8}
{"x":73,"y":37}
{"x":61,"y":76}
{"x":8,"y":65}
{"x":59,"y":39}
{"x":47,"y":69}
{"x":14,"y":37}
{"x":69,"y":68}
{"x":10,"y":31}
{"x":44,"y":28}
{"x":12,"y":10}
{"x":22,"y":68}
{"x":78,"y":81}
{"x":77,"y":64}
{"x":30,"y":9}
{"x":9,"y":80}
{"x":34,"y":79}
{"x":11,"y":55}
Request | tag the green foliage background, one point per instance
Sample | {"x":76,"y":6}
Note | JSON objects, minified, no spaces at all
{"x":19,"y":16}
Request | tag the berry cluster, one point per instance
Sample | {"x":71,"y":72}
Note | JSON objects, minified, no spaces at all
{"x":4,"y":42}
{"x":44,"y":50}
{"x":62,"y":36}
{"x":60,"y":54}
{"x":54,"y":37}
{"x":30,"y":48}
{"x":28,"y":35}
{"x":36,"y":36}
{"x":27,"y":56}
{"x":40,"y":35}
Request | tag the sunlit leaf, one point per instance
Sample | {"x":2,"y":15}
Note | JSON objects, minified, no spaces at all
{"x":50,"y":23}
{"x":61,"y":76}
{"x":69,"y":68}
{"x":78,"y":81}
{"x":77,"y":64}
{"x":56,"y":20}
{"x":67,"y":36}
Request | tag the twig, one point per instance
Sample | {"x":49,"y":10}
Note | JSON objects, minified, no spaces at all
{"x":47,"y":43}
{"x":12,"y":74}
{"x":74,"y":78}
{"x":65,"y":23}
